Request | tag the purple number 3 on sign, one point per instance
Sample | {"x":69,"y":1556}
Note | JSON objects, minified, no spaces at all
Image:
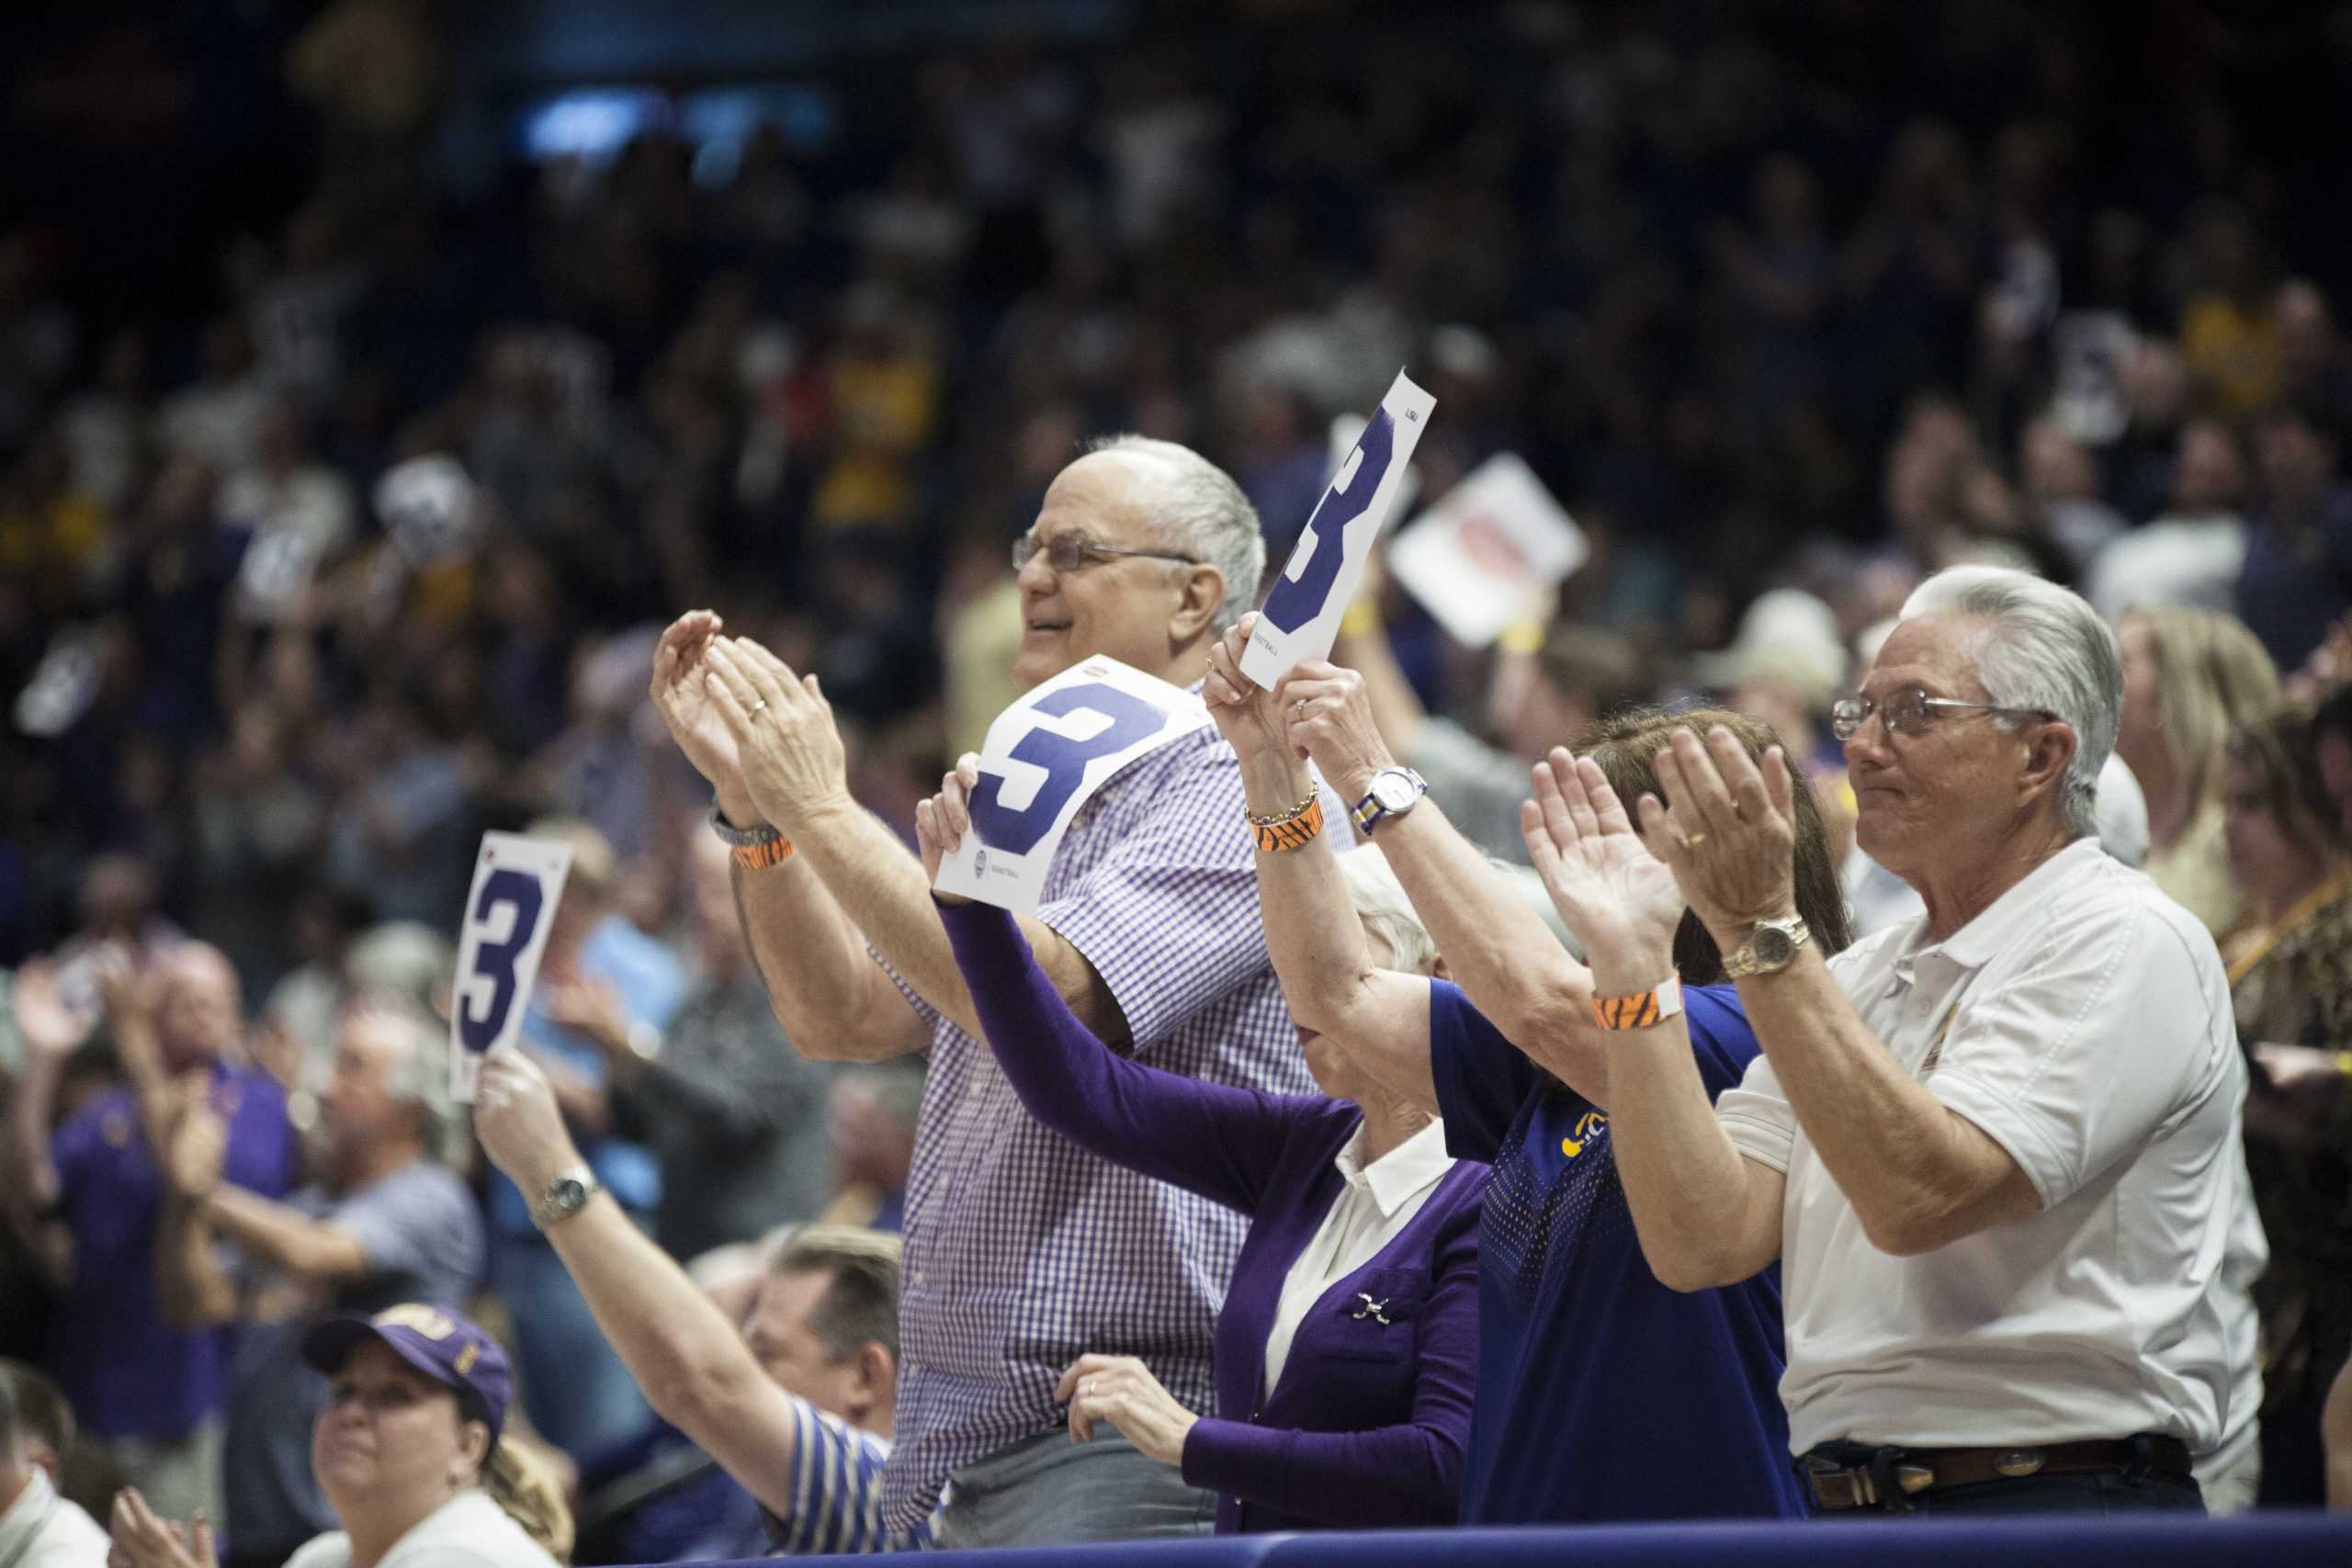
{"x":1297,"y":601}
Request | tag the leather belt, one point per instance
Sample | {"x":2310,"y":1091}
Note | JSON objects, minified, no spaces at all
{"x":1893,"y":1474}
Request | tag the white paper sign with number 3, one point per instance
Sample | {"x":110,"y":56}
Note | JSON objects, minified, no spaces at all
{"x":1301,"y":619}
{"x":1046,"y":756}
{"x":517,"y":884}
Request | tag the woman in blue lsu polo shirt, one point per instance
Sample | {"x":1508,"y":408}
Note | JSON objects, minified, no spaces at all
{"x":1602,"y":1394}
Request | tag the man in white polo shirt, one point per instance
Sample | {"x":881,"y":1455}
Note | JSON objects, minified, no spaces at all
{"x":1993,"y":1147}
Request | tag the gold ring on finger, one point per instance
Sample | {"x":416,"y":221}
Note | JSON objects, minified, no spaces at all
{"x":1694,"y":841}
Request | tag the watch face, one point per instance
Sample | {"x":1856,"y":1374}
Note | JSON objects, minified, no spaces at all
{"x":567,"y":1193}
{"x":1393,"y":792}
{"x":1773,"y":945}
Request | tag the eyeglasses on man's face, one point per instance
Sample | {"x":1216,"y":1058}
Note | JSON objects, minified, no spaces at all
{"x":1910,"y":712}
{"x":1075,"y":551}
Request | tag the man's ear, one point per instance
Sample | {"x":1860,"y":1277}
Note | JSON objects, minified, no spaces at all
{"x":1438,"y":970}
{"x":875,"y":1376}
{"x":2047,"y":756}
{"x":1203,"y":590}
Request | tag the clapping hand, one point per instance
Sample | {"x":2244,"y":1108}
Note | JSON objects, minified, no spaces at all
{"x":682,"y":697}
{"x":1730,"y":835}
{"x":942,"y":821}
{"x":794,"y":766}
{"x":50,"y":1030}
{"x":1619,"y":899}
{"x":142,"y":1539}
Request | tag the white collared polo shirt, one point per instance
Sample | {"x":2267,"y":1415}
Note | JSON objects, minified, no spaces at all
{"x":2082,"y":1022}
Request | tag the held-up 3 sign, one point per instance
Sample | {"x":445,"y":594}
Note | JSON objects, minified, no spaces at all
{"x":517,"y":883}
{"x":1301,"y":619}
{"x":1046,"y":756}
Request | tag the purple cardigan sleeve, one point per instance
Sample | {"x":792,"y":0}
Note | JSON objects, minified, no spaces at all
{"x":1220,"y":1141}
{"x":1405,"y":1474}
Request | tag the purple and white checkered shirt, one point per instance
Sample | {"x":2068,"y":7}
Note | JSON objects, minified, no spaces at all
{"x":1024,"y":1252}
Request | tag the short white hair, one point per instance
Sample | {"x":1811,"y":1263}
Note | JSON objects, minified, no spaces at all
{"x":1387,"y":912}
{"x":1197,"y":508}
{"x":2046,"y":650}
{"x":418,"y":1076}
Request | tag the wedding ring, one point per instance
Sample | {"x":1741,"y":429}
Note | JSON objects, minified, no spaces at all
{"x":1694,"y":841}
{"x":1299,"y":709}
{"x":757,"y":707}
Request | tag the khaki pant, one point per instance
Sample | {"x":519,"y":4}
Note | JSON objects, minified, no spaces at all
{"x":177,"y":1477}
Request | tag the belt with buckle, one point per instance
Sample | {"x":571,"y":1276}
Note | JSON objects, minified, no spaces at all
{"x":1839,"y":1483}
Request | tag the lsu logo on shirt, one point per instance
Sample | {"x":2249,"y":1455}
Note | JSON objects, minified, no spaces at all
{"x":1589,"y":1126}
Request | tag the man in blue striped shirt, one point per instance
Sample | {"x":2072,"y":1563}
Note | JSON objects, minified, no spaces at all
{"x":797,"y":1407}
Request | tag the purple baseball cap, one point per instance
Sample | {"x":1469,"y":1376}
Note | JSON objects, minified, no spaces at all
{"x":449,"y":1348}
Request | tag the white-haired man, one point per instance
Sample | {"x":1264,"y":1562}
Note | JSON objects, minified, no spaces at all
{"x":1993,"y":1147}
{"x":383,"y":1222}
{"x":1024,"y":1253}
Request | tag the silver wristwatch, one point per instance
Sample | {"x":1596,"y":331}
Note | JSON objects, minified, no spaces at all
{"x":1394,"y":792}
{"x":1772,"y":945}
{"x":566,"y":1196}
{"x":736,"y":838}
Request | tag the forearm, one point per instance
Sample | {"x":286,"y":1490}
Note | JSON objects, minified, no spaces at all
{"x":191,"y":1287}
{"x":284,"y":1237}
{"x":1497,"y":950}
{"x":690,"y":1362}
{"x":1918,"y":1173}
{"x":35,"y":1188}
{"x":1388,"y":1476}
{"x":1317,"y":945}
{"x":881,"y":889}
{"x":834,"y":1003}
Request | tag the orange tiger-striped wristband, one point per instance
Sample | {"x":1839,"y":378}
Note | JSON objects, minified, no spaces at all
{"x":1641,"y":1010}
{"x":1291,"y":830}
{"x":761,"y":855}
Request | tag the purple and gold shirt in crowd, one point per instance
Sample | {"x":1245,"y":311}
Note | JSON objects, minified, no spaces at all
{"x":1024,"y":1252}
{"x":129,"y":1373}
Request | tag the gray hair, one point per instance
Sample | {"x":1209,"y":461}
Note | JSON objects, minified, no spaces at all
{"x":1386,"y":910}
{"x":420,"y":1075}
{"x":1199,"y":508}
{"x":2048,"y":650}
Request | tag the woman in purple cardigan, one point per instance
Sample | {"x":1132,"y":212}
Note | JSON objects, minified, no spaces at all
{"x":1348,"y":1345}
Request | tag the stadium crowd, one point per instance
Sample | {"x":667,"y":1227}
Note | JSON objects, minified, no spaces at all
{"x":1941,"y":771}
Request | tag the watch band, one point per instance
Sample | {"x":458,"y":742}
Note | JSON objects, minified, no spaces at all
{"x":1746,"y":960}
{"x":1641,"y":1010}
{"x":1368,"y":813}
{"x":565,"y":1196}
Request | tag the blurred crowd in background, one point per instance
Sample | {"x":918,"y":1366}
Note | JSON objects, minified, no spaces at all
{"x":322,"y":554}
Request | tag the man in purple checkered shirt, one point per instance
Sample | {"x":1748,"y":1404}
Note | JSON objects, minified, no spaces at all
{"x":1023,"y":1252}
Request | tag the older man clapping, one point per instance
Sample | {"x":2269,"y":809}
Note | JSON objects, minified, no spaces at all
{"x":1992,"y":1145}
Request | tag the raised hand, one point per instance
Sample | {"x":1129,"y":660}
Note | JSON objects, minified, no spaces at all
{"x":142,"y":1539}
{"x":1620,"y":901}
{"x":942,"y":821}
{"x":1246,"y":712}
{"x":1730,"y":835}
{"x":792,"y":762}
{"x":682,"y":699}
{"x":1120,"y":1390}
{"x":50,"y":1030}
{"x":197,"y":1145}
{"x":518,"y":1122}
{"x":1329,"y":718}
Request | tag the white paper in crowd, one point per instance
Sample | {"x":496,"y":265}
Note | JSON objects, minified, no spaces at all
{"x":1046,"y":756}
{"x":509,"y":910}
{"x":63,"y":685}
{"x":273,"y":578}
{"x":2090,"y":353}
{"x":1489,"y":553}
{"x":1301,"y":618}
{"x":427,"y":506}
